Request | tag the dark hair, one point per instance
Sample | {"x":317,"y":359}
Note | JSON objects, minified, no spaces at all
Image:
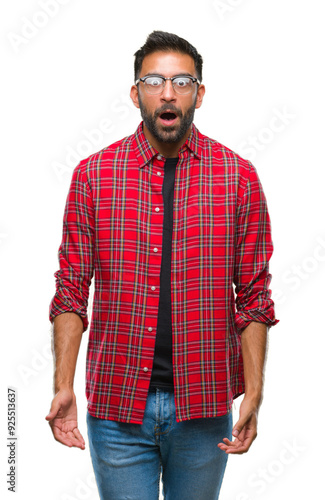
{"x":166,"y":42}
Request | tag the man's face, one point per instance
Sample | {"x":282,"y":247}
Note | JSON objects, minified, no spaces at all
{"x":168,"y":115}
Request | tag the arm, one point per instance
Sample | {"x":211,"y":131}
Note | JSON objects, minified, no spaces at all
{"x":255,"y":308}
{"x":68,"y":329}
{"x":68,"y":309}
{"x":254,"y":340}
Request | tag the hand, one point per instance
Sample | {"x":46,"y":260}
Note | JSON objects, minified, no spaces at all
{"x":63,"y":419}
{"x":244,"y":431}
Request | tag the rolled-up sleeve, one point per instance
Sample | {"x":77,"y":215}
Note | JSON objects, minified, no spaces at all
{"x":253,"y":251}
{"x":76,"y":252}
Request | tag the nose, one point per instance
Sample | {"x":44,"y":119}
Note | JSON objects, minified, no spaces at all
{"x":168,"y":94}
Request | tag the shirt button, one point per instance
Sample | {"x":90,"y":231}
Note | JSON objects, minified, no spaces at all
{"x":145,"y":369}
{"x":155,"y":249}
{"x":153,"y":288}
{"x":157,"y":209}
{"x":159,"y":173}
{"x":150,"y":329}
{"x":159,"y":157}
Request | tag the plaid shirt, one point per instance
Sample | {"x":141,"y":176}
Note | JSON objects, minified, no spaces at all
{"x":113,"y":228}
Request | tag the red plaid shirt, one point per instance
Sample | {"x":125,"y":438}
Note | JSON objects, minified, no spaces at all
{"x":113,"y":228}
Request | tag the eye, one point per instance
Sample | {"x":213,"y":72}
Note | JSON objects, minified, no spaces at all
{"x":182,"y":81}
{"x":154,"y":81}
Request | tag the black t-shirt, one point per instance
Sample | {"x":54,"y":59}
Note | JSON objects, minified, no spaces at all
{"x":162,"y":371}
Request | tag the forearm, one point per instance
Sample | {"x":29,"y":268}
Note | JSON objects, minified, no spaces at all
{"x":254,"y":342}
{"x":67,"y":333}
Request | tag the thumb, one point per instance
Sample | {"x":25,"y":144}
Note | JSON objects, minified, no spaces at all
{"x":238,"y":427}
{"x":54,"y":410}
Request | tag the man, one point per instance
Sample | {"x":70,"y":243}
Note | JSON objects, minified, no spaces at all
{"x":167,"y":220}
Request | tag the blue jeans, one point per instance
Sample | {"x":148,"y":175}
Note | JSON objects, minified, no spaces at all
{"x":128,"y":458}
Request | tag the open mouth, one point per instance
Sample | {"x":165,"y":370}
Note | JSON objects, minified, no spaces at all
{"x":168,"y":117}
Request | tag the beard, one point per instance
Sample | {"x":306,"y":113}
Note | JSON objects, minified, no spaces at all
{"x":169,"y":134}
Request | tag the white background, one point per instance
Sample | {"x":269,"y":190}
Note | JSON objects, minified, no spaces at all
{"x":264,"y":77}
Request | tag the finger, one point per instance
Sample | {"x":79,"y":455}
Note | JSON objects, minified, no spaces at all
{"x":228,"y":442}
{"x":223,"y":446}
{"x":226,"y":445}
{"x":76,"y":439}
{"x":74,"y":436}
{"x":232,"y":449}
{"x":237,"y":451}
{"x":67,"y":438}
{"x":62,"y":437}
{"x":78,"y":435}
{"x":239,"y":447}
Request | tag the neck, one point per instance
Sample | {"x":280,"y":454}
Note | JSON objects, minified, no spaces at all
{"x":167,"y":149}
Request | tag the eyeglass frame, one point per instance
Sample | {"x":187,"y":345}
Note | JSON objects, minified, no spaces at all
{"x":143,"y":80}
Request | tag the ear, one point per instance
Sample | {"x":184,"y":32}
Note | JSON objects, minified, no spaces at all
{"x":134,"y":94}
{"x":200,"y":95}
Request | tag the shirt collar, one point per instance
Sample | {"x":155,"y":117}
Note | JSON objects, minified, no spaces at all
{"x":145,"y":152}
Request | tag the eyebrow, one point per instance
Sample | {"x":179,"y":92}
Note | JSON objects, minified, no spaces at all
{"x":175,"y":76}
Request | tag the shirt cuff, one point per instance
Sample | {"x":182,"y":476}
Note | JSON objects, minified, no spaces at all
{"x":57,"y":307}
{"x":243,"y":319}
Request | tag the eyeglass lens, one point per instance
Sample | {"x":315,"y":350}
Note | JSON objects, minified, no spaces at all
{"x":181,"y":85}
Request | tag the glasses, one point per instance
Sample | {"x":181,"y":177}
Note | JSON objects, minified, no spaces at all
{"x":155,"y":84}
